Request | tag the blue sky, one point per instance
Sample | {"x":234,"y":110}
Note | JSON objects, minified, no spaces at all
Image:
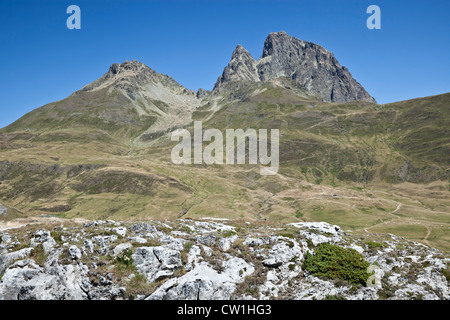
{"x":192,"y":41}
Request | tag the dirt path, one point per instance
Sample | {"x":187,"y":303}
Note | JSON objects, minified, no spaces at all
{"x":399,"y":205}
{"x":425,"y":239}
{"x":409,"y":220}
{"x":20,"y":222}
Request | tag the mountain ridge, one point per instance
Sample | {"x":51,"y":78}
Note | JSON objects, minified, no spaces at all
{"x":306,"y":63}
{"x":132,"y":94}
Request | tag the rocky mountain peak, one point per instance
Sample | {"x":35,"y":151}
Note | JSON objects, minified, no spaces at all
{"x":307,"y":63}
{"x":134,"y":66}
{"x":275,"y":40}
{"x":241,"y":67}
{"x":152,"y":95}
{"x":240,"y":51}
{"x":134,"y":78}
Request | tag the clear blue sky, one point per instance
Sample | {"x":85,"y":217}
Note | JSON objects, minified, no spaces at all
{"x":192,"y":41}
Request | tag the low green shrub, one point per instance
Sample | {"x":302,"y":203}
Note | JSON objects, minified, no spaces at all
{"x":373,"y":244}
{"x":331,"y":261}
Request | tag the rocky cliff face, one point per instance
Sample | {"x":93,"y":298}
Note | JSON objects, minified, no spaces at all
{"x":241,"y":67}
{"x":207,"y":259}
{"x":306,"y":63}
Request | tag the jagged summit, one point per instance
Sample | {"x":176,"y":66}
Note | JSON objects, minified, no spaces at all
{"x":306,"y":63}
{"x":134,"y":65}
{"x":241,"y":67}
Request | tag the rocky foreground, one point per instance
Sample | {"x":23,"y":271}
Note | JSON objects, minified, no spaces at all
{"x":210,"y":259}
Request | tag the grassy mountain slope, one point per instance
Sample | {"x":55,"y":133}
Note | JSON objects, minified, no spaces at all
{"x":363,"y":166}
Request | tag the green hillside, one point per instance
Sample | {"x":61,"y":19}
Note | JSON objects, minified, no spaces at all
{"x":364,"y":166}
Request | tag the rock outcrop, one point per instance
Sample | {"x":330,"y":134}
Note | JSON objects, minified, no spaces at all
{"x":3,"y":210}
{"x":241,"y":67}
{"x":187,"y":259}
{"x":132,"y":77}
{"x":306,"y":63}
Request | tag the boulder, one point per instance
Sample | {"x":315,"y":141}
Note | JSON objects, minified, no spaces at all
{"x":74,"y":252}
{"x":205,"y":283}
{"x":156,"y":262}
